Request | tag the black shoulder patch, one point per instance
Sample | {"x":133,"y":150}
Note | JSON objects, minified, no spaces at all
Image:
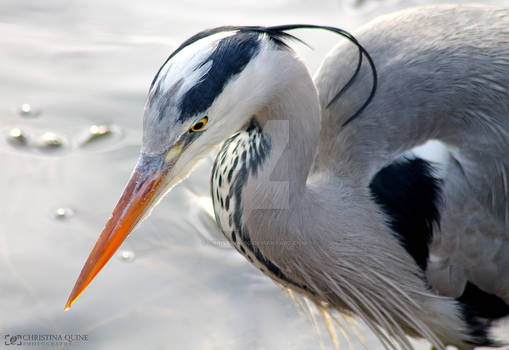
{"x":410,"y":196}
{"x":483,"y":304}
{"x":479,"y":309}
{"x":228,"y":59}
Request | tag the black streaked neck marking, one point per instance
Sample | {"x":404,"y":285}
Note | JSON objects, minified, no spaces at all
{"x":410,"y":196}
{"x":229,"y":58}
{"x":242,"y":156}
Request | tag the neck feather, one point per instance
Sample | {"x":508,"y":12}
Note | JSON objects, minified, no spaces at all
{"x":291,"y":123}
{"x":260,"y":173}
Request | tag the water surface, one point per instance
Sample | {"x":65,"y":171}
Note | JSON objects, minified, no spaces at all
{"x":67,"y":66}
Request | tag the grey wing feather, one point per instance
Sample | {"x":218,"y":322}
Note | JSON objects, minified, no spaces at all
{"x":472,"y":243}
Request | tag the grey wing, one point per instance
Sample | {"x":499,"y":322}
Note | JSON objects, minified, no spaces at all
{"x":471,"y":246}
{"x":442,"y":75}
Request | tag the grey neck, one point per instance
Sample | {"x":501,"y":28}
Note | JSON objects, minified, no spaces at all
{"x":291,"y":122}
{"x":260,"y":173}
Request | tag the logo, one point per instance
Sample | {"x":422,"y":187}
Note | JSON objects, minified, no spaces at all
{"x":12,"y":339}
{"x":49,"y":340}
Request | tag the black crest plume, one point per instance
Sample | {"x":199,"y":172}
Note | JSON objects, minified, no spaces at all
{"x":278,"y":35}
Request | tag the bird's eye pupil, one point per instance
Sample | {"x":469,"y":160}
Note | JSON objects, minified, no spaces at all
{"x":199,"y":125}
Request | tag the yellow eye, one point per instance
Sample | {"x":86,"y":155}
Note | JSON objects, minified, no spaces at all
{"x":199,"y":125}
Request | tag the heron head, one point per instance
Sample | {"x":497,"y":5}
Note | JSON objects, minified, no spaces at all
{"x":202,"y":95}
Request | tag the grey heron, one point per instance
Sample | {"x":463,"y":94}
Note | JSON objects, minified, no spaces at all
{"x":323,"y":185}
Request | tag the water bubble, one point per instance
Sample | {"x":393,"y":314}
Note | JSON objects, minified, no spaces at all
{"x":127,"y":255}
{"x":99,"y":130}
{"x":96,"y":132}
{"x":99,"y":137}
{"x":63,"y":213}
{"x":26,"y":110}
{"x":26,"y":139}
{"x":51,"y":140}
{"x":17,"y":137}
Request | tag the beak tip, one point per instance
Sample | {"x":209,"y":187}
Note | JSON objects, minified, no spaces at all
{"x":138,"y":195}
{"x":69,"y":303}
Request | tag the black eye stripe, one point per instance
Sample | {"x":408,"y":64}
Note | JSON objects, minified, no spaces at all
{"x":230,"y":56}
{"x":245,"y":44}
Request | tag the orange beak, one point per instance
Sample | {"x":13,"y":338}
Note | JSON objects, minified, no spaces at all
{"x":141,"y":192}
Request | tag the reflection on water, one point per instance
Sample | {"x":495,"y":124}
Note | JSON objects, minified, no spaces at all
{"x":74,"y":78}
